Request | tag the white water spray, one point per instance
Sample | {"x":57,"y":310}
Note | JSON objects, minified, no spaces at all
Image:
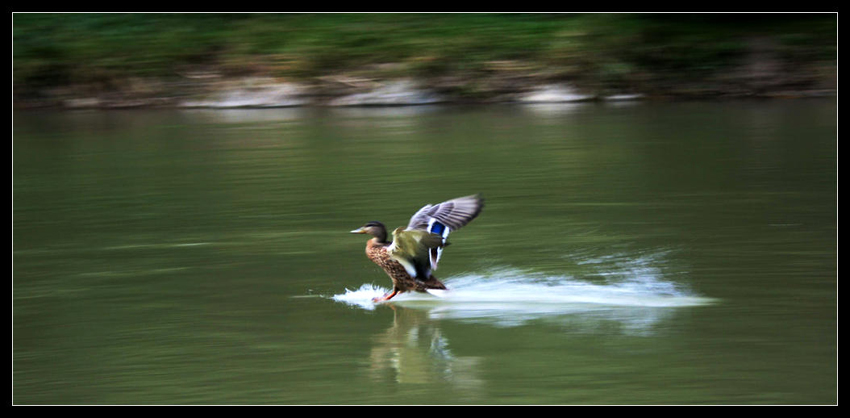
{"x":633,"y":293}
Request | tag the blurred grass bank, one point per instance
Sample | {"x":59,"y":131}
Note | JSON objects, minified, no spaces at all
{"x":269,"y":60}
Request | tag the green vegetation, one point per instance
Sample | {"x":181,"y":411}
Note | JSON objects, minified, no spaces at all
{"x":615,"y":51}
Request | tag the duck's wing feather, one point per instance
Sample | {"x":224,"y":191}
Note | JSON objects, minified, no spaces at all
{"x":442,"y":218}
{"x":411,"y":248}
{"x":454,"y":213}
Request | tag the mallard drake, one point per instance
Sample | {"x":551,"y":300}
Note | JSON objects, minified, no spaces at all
{"x":412,"y":255}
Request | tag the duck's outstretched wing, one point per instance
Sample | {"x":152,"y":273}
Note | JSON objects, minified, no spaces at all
{"x":442,"y":218}
{"x":454,"y":213}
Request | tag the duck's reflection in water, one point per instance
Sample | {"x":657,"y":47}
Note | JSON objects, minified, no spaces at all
{"x":414,"y":350}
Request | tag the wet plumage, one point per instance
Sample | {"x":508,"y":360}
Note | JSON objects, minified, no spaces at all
{"x":415,"y":251}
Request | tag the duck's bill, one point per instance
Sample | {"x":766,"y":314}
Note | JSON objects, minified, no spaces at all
{"x":358,"y":231}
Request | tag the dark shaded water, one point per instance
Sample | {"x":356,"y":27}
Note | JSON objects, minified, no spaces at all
{"x":648,"y":253}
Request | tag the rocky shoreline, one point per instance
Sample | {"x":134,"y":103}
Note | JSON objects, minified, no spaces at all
{"x":266,"y":92}
{"x":759,"y":76}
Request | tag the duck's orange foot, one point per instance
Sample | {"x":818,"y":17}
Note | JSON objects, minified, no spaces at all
{"x":386,"y":297}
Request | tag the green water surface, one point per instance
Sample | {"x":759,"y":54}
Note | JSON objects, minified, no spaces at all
{"x":192,"y":256}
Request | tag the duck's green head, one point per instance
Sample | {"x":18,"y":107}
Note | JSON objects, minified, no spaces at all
{"x":373,"y":228}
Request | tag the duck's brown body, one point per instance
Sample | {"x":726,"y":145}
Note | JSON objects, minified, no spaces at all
{"x":402,"y":282}
{"x":415,"y":250}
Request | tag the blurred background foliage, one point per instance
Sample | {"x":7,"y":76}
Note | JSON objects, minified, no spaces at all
{"x":609,"y":50}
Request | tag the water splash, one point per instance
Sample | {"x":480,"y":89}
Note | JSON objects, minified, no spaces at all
{"x":516,"y":287}
{"x":634,"y":295}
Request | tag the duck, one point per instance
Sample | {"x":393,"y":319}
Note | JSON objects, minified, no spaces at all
{"x":413,"y":253}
